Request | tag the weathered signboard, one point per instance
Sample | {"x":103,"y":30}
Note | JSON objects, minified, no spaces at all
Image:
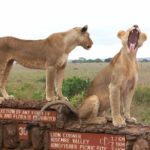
{"x":85,"y":141}
{"x":23,"y":133}
{"x":27,"y":115}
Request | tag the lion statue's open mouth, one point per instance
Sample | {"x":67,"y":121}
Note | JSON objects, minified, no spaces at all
{"x":133,"y":39}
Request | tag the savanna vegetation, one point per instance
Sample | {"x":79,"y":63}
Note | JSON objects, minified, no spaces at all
{"x":30,"y":84}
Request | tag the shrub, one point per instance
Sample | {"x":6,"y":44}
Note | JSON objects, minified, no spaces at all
{"x":74,"y":86}
{"x":77,"y":99}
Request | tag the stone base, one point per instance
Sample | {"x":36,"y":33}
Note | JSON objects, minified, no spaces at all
{"x":13,"y":134}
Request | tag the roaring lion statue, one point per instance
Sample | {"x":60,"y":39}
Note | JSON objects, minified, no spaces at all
{"x":113,"y":86}
{"x":50,"y":54}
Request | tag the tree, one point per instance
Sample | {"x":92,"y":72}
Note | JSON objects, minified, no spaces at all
{"x":107,"y":59}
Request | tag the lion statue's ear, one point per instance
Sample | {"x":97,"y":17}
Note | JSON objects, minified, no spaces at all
{"x":84,"y":29}
{"x":120,"y":34}
{"x":143,"y":37}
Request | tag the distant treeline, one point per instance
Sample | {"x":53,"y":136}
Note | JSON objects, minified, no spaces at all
{"x":84,"y":60}
{"x":97,"y":60}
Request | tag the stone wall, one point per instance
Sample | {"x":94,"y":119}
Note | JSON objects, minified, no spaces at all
{"x":17,"y":115}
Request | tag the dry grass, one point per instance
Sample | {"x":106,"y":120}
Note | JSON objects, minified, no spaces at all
{"x":144,"y":74}
{"x":84,"y":70}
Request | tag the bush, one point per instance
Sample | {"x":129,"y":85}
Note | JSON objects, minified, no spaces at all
{"x":74,"y":86}
{"x":77,"y":99}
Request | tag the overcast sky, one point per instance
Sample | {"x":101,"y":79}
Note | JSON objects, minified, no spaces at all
{"x":36,"y":19}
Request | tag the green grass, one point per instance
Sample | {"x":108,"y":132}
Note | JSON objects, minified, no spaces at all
{"x":141,"y":111}
{"x":142,"y":94}
{"x":26,"y":83}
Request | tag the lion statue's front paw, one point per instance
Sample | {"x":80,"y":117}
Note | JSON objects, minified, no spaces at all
{"x":9,"y":97}
{"x":63,"y":98}
{"x":131,"y":120}
{"x":118,"y":121}
{"x":53,"y":98}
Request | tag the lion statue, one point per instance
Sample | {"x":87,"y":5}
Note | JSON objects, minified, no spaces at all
{"x":115,"y":84}
{"x":50,"y":54}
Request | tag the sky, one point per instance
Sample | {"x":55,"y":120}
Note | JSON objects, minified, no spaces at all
{"x":37,"y":19}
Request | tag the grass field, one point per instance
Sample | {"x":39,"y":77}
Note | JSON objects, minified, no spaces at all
{"x":30,"y":84}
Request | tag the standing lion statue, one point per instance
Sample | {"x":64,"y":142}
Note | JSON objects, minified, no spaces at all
{"x":50,"y":54}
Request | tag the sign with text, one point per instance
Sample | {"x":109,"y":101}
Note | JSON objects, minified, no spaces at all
{"x":27,"y":115}
{"x":85,"y":141}
{"x":23,"y":133}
